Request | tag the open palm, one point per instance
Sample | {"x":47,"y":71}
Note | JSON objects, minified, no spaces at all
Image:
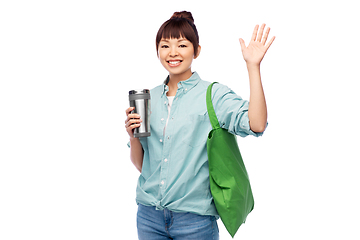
{"x":255,"y":51}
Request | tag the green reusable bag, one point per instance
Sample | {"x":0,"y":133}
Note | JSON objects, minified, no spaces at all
{"x":229,"y":181}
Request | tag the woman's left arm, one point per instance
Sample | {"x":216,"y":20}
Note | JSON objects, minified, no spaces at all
{"x":253,"y":55}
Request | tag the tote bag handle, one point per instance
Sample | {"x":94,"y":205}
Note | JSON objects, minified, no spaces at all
{"x":210,"y":108}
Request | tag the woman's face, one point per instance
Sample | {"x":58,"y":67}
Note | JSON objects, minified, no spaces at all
{"x":176,"y":55}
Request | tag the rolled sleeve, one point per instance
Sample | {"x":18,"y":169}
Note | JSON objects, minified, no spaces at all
{"x":232,"y":111}
{"x":245,"y":127}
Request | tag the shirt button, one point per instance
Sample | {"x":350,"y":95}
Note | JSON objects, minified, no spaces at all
{"x":160,"y":140}
{"x":162,"y":119}
{"x":165,"y":160}
{"x":165,"y":102}
{"x":168,"y":137}
{"x":162,"y":182}
{"x":185,"y":89}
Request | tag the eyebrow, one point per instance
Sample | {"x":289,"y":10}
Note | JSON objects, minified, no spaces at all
{"x":180,"y":40}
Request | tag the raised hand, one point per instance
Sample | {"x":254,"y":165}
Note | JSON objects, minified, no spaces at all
{"x":255,"y":51}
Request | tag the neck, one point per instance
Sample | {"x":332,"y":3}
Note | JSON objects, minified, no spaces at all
{"x":174,"y":79}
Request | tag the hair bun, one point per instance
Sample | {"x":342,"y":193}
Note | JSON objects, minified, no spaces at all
{"x":183,"y":14}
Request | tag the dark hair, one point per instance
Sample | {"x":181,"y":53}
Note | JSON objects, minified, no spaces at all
{"x":181,"y":24}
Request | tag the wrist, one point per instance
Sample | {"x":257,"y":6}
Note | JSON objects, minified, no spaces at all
{"x":134,"y":139}
{"x":251,"y":65}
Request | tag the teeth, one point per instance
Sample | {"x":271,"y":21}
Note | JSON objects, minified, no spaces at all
{"x":174,"y":62}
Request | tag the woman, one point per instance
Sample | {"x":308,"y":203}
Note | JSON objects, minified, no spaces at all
{"x":173,"y":193}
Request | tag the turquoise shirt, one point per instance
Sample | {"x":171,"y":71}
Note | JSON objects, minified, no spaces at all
{"x":175,"y":171}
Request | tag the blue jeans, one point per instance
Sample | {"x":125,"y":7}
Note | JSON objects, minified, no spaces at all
{"x":165,"y":224}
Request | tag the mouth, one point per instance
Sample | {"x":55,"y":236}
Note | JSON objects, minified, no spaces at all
{"x":174,"y":63}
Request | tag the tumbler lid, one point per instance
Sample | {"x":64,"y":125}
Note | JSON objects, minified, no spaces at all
{"x":139,"y":91}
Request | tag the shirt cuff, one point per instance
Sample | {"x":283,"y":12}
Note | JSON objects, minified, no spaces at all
{"x":244,"y":128}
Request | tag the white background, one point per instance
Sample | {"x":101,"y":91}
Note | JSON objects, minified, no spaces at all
{"x":66,"y":68}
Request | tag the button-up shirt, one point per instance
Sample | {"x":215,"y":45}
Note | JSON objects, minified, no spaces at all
{"x":175,"y":170}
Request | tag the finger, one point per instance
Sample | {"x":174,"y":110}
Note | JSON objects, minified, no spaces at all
{"x":269,"y":43}
{"x":127,"y":111}
{"x":130,"y":117}
{"x":131,"y":127}
{"x":242,"y":43}
{"x":133,"y":115}
{"x":132,"y":122}
{"x":265,"y":36}
{"x":261,"y":32}
{"x":253,"y":38}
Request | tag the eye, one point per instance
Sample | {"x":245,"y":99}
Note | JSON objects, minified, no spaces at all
{"x":182,"y":46}
{"x":164,"y":46}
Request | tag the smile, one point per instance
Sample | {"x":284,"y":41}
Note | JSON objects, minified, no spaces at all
{"x":174,"y":63}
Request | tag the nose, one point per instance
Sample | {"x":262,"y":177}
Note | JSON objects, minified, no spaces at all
{"x":173,"y":52}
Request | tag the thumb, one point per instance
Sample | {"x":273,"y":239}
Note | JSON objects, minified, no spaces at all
{"x":242,"y":43}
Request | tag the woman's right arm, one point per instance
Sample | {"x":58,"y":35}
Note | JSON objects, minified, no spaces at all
{"x":136,"y":151}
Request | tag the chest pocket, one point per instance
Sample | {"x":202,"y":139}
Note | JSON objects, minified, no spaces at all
{"x":195,"y":130}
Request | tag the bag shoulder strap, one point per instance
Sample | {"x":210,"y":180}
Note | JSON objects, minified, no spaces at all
{"x":210,"y":108}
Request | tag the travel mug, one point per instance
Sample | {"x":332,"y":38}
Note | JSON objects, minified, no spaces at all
{"x":140,"y":99}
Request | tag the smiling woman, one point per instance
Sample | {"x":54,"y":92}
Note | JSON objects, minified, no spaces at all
{"x":173,"y":161}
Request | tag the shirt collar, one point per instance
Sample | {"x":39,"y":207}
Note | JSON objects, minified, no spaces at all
{"x":186,"y":85}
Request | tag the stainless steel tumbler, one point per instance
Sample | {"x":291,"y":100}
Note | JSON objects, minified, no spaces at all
{"x":140,"y":99}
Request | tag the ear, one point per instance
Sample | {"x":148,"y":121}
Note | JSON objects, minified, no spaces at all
{"x":198,"y":52}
